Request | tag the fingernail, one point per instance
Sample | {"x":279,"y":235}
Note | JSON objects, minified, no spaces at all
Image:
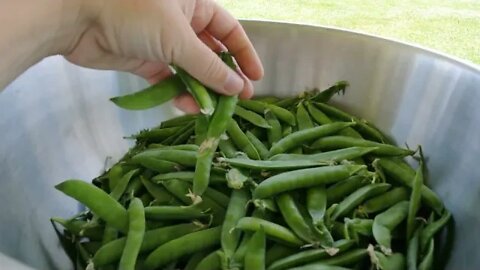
{"x":234,"y":83}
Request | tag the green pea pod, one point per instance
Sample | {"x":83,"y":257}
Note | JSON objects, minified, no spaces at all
{"x":404,"y":174}
{"x":241,"y":140}
{"x":174,"y":212}
{"x":282,"y":165}
{"x":272,"y":230}
{"x":385,"y":200}
{"x":258,"y":145}
{"x":121,"y":186}
{"x":277,"y":252}
{"x":396,"y":261}
{"x":236,"y":178}
{"x":182,"y":157}
{"x":195,"y":259}
{"x":182,"y":246}
{"x":255,"y":255}
{"x":384,"y":223}
{"x":338,"y":191}
{"x":343,"y":259}
{"x":210,"y":262}
{"x":181,"y":134}
{"x":218,"y":197}
{"x":413,"y":250}
{"x":112,"y":251}
{"x":198,"y":91}
{"x":238,"y":258}
{"x":115,"y":175}
{"x":236,"y":210}
{"x":136,"y":231}
{"x":151,"y":96}
{"x":325,"y":95}
{"x":97,"y":201}
{"x":415,"y":198}
{"x":317,"y":204}
{"x":274,"y":134}
{"x":155,"y":135}
{"x":357,"y":197}
{"x":336,"y":142}
{"x":251,"y":117}
{"x":201,"y":129}
{"x":227,"y":148}
{"x":304,"y":136}
{"x":432,"y":228}
{"x":260,"y":107}
{"x":303,"y":118}
{"x":294,"y":219}
{"x":427,"y":262}
{"x":304,"y":178}
{"x":322,"y":119}
{"x":178,"y":121}
{"x":320,"y":267}
{"x":158,"y":192}
{"x":339,"y":155}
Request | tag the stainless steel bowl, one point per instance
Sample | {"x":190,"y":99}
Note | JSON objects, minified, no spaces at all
{"x":57,"y":123}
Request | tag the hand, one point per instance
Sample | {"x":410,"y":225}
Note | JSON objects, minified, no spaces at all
{"x":144,"y":36}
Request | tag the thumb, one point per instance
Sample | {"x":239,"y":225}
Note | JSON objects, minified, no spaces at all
{"x":205,"y":65}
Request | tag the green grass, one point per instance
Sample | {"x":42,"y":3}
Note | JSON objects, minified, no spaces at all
{"x":450,"y":26}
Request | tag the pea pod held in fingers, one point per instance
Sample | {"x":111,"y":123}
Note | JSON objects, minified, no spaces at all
{"x":336,"y":142}
{"x":97,"y":201}
{"x":112,"y":251}
{"x":184,"y":245}
{"x":304,"y":136}
{"x":136,"y":231}
{"x":384,"y":223}
{"x":304,"y":178}
{"x":405,"y":175}
{"x":236,"y":210}
{"x":272,"y":230}
{"x":255,"y":255}
{"x":260,"y":107}
{"x":198,"y":91}
{"x":151,"y":96}
{"x":357,"y":197}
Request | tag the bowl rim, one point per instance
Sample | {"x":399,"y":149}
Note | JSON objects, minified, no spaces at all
{"x":443,"y":55}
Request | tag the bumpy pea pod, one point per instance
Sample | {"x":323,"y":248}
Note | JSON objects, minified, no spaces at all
{"x":97,"y":201}
{"x":431,"y":229}
{"x":198,"y":91}
{"x":384,"y":223}
{"x":294,"y":218}
{"x":385,"y":200}
{"x":218,"y":125}
{"x":111,"y":252}
{"x":303,"y":118}
{"x":236,"y":210}
{"x":404,"y":174}
{"x":357,"y":197}
{"x":427,"y":262}
{"x":415,"y":198}
{"x":241,"y":140}
{"x":182,"y":246}
{"x":151,"y":96}
{"x":182,"y":157}
{"x":304,"y":136}
{"x":136,"y":230}
{"x":251,"y":117}
{"x":255,"y":255}
{"x":260,"y":107}
{"x":272,"y":230}
{"x":304,"y":178}
{"x":274,"y":134}
{"x":210,"y":262}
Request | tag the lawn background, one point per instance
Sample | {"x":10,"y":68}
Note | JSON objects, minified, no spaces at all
{"x":448,"y":26}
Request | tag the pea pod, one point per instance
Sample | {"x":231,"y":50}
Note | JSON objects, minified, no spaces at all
{"x":415,"y":198}
{"x":357,"y":197}
{"x":427,"y":262}
{"x":227,"y":148}
{"x":343,"y":259}
{"x":201,"y":128}
{"x":261,"y":107}
{"x":255,"y":255}
{"x":174,"y":212}
{"x":198,"y":91}
{"x":121,"y":186}
{"x":272,"y":230}
{"x":317,"y":204}
{"x":325,"y":95}
{"x":155,"y":135}
{"x":303,"y":118}
{"x":195,"y":259}
{"x":151,"y":96}
{"x":178,"y":121}
{"x":258,"y":145}
{"x":338,"y":191}
{"x":322,"y":119}
{"x":182,"y":246}
{"x":432,"y":228}
{"x":304,"y":178}
{"x":112,"y":251}
{"x":396,"y":261}
{"x":158,"y":192}
{"x":274,"y":134}
{"x":336,"y":142}
{"x":304,"y":136}
{"x":293,"y":217}
{"x":277,"y":252}
{"x":210,"y":262}
{"x":272,"y":164}
{"x":385,"y":200}
{"x":384,"y":223}
{"x":182,"y":157}
{"x":241,"y":140}
{"x":136,"y":230}
{"x":339,"y":155}
{"x":236,"y":210}
{"x":97,"y":201}
{"x":251,"y":117}
{"x":413,"y":250}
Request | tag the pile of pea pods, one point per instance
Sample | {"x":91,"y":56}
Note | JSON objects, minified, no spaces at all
{"x":269,"y":183}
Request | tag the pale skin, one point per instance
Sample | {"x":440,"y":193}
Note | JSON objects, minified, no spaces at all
{"x":138,"y":36}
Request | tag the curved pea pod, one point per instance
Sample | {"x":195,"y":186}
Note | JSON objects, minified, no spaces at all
{"x":259,"y":146}
{"x":195,"y":259}
{"x":155,"y":135}
{"x":97,"y":201}
{"x":261,"y":107}
{"x":174,"y":212}
{"x":337,"y":89}
{"x":431,"y":229}
{"x":236,"y":210}
{"x":252,"y":117}
{"x":255,"y":255}
{"x":241,"y":140}
{"x":294,"y":219}
{"x":111,"y":252}
{"x":182,"y":157}
{"x":198,"y":91}
{"x":151,"y":96}
{"x":343,"y":259}
{"x":308,"y":256}
{"x":384,"y":223}
{"x":261,"y":165}
{"x":182,"y":246}
{"x":385,"y":200}
{"x":357,"y":197}
{"x":402,"y":173}
{"x":301,"y":137}
{"x":304,"y":178}
{"x":338,"y":191}
{"x":427,"y":262}
{"x":274,"y":231}
{"x":336,"y":142}
{"x":395,"y":261}
{"x":210,"y":262}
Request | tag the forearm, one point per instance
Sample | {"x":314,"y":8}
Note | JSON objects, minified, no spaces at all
{"x":33,"y":29}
